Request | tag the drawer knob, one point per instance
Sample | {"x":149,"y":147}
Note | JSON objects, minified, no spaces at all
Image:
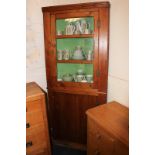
{"x":97,"y":152}
{"x":28,"y":144}
{"x":27,"y":125}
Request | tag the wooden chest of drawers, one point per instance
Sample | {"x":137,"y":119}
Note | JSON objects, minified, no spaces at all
{"x":108,"y":130}
{"x":37,"y":135}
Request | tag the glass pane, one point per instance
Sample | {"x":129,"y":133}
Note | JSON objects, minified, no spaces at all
{"x":75,"y":72}
{"x":77,"y":48}
{"x":71,"y":26}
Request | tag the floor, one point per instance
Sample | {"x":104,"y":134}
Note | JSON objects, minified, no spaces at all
{"x":61,"y":150}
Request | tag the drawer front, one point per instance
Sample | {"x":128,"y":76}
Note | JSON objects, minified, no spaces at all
{"x":33,"y":118}
{"x":99,"y":142}
{"x":33,"y":105}
{"x":36,"y":138}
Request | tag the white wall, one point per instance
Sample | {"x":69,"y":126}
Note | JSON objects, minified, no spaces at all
{"x":118,"y":52}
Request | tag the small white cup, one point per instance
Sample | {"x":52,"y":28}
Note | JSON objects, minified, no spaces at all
{"x":59,"y":32}
{"x":80,"y":78}
{"x":89,"y":77}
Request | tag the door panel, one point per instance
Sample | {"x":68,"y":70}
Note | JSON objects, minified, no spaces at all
{"x":69,"y":118}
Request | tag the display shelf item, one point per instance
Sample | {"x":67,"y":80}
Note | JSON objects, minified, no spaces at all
{"x":75,"y":72}
{"x":70,"y":26}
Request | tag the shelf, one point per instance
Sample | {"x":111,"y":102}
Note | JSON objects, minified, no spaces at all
{"x":75,"y":61}
{"x":75,"y":36}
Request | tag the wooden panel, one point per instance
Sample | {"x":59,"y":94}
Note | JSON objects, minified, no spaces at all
{"x":108,"y":130}
{"x":33,"y":106}
{"x":33,"y":92}
{"x":32,"y":127}
{"x":37,"y":137}
{"x":76,"y":6}
{"x":69,"y":121}
{"x":98,"y":140}
{"x":47,"y":43}
{"x":34,"y":117}
{"x":75,"y":61}
{"x":103,"y":48}
{"x":114,"y":118}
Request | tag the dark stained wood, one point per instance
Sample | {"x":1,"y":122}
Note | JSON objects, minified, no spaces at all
{"x":108,"y":129}
{"x":76,"y":14}
{"x":81,"y":91}
{"x":103,"y":48}
{"x":47,"y":42}
{"x":68,"y":101}
{"x":70,"y":118}
{"x":67,"y":144}
{"x":76,"y":6}
{"x":75,"y":61}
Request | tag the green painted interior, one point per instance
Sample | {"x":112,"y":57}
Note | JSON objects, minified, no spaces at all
{"x":71,"y":43}
{"x":62,"y":23}
{"x":67,"y":68}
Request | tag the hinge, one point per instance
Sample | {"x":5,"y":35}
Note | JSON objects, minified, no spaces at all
{"x":98,"y":23}
{"x":98,"y":73}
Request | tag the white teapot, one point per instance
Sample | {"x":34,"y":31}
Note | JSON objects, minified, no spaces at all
{"x":78,"y":54}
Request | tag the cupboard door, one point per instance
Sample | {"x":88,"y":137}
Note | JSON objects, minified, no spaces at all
{"x":69,"y":118}
{"x":74,"y":46}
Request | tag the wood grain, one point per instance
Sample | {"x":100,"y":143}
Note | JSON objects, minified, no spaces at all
{"x":37,"y":134}
{"x":69,"y":116}
{"x":68,"y":101}
{"x":76,"y":6}
{"x":108,"y":129}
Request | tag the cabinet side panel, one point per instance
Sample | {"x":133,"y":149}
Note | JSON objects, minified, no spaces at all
{"x":103,"y":48}
{"x":47,"y":43}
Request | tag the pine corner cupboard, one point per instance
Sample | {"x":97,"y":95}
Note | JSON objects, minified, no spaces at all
{"x":76,"y":54}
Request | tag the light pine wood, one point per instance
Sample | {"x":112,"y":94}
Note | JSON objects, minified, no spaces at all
{"x":108,"y":130}
{"x":37,"y":134}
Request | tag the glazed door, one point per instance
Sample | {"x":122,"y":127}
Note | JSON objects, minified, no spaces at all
{"x":74,"y":50}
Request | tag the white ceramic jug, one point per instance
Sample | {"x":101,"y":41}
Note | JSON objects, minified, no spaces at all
{"x":70,"y":28}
